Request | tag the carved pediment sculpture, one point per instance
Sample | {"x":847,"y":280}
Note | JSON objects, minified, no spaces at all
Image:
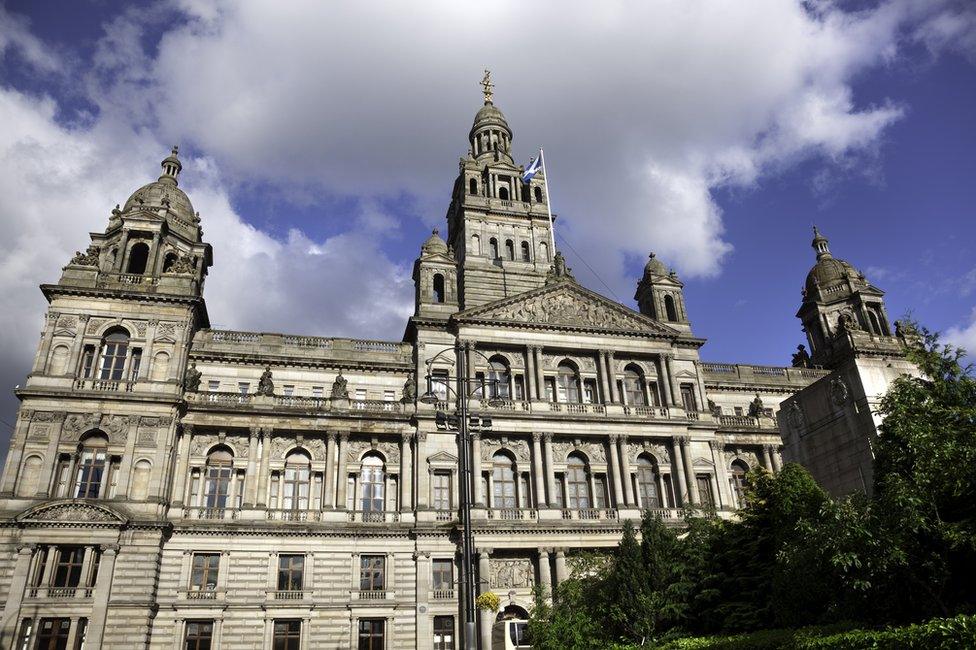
{"x":73,"y":512}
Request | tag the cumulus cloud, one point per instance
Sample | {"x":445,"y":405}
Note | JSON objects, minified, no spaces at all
{"x":964,"y":336}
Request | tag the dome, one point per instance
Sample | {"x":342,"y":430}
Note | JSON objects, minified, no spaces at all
{"x":434,"y":244}
{"x":153,"y":195}
{"x":829,"y":271}
{"x":655,"y":267}
{"x":490,"y":115}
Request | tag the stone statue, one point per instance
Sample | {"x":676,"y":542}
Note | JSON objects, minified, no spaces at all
{"x":191,"y":378}
{"x":88,"y":258}
{"x":183,"y":264}
{"x":339,"y":387}
{"x":265,"y":384}
{"x":559,"y":271}
{"x":905,"y":329}
{"x":756,"y":407}
{"x":847,"y":323}
{"x":714,"y":409}
{"x":409,"y":389}
{"x":801,"y":358}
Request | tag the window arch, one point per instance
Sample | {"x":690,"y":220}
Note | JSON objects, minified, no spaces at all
{"x":499,"y":378}
{"x":160,"y":367}
{"x":568,"y":383}
{"x":634,"y":386}
{"x":473,"y":186}
{"x":670,"y":309}
{"x":544,"y":252}
{"x":372,"y":481}
{"x":503,"y":481}
{"x":526,"y":255}
{"x":217,"y":485}
{"x":297,"y":481}
{"x":138,"y":258}
{"x":737,"y":478}
{"x":493,"y":248}
{"x":92,"y":460}
{"x":169,"y":261}
{"x":476,"y":244}
{"x":141,"y":472}
{"x":875,"y":323}
{"x":509,"y":250}
{"x":503,"y":193}
{"x":578,"y":482}
{"x":538,"y":195}
{"x":647,"y":482}
{"x":30,"y":477}
{"x":59,"y":360}
{"x":438,"y":287}
{"x":115,"y":347}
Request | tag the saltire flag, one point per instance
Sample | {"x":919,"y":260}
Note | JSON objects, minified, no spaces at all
{"x":535,"y":166}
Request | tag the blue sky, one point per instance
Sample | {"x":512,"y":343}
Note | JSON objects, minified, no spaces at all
{"x":321,"y":141}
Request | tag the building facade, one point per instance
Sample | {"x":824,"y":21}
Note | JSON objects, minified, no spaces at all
{"x":170,"y":485}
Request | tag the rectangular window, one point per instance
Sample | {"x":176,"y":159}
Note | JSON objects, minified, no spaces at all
{"x":199,"y":635}
{"x":291,"y":569}
{"x":550,"y":383}
{"x":523,"y":495}
{"x":519,"y":387}
{"x":371,"y":634}
{"x":318,"y":391}
{"x":52,"y":633}
{"x":80,"y":634}
{"x":600,"y":496}
{"x":705,"y":490}
{"x":91,"y":467}
{"x":372,"y":572}
{"x":26,"y":634}
{"x":213,"y":385}
{"x":136,"y":362}
{"x":559,"y":489}
{"x":688,"y":398}
{"x":87,"y":361}
{"x":67,"y":572}
{"x":589,"y":391}
{"x":287,"y":635}
{"x":360,"y":394}
{"x":288,"y":390}
{"x":443,"y":578}
{"x":438,"y":384}
{"x":655,"y":392}
{"x":443,"y":633}
{"x":203,"y":576}
{"x":243,"y":387}
{"x":62,"y":477}
{"x":738,"y":410}
{"x":442,"y":491}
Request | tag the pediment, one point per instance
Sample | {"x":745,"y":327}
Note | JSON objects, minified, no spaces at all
{"x":71,"y":512}
{"x":566,"y":305}
{"x":442,"y":458}
{"x":702,"y":462}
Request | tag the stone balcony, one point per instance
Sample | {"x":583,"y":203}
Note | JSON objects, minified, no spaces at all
{"x":58,"y":593}
{"x":745,"y":374}
{"x":575,"y":410}
{"x":747,"y":423}
{"x":277,"y":403}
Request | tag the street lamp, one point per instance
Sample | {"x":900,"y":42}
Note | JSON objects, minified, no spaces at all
{"x":461,"y":422}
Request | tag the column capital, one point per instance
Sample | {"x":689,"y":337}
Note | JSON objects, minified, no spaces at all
{"x":716,"y":445}
{"x":475,"y":435}
{"x":407,"y":436}
{"x":332,"y":436}
{"x":768,"y":448}
{"x":421,"y":436}
{"x":255,"y":432}
{"x":545,"y":551}
{"x":485,"y":553}
{"x":684,"y":441}
{"x":344,"y":437}
{"x":26,"y":549}
{"x":622,"y":438}
{"x":614,"y":437}
{"x":560,"y":552}
{"x":187,"y":429}
{"x":421,"y":554}
{"x":547,"y":437}
{"x":536,"y":436}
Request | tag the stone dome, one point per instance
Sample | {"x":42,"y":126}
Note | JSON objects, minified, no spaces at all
{"x":490,"y":115}
{"x":157,"y":194}
{"x":830,"y":274}
{"x":655,"y":267}
{"x":434,"y":244}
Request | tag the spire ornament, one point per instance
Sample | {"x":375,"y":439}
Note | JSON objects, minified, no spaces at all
{"x":487,"y":86}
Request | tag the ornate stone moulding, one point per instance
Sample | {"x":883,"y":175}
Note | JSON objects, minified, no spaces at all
{"x":72,"y":512}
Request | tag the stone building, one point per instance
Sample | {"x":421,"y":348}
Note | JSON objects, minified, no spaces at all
{"x":170,"y":485}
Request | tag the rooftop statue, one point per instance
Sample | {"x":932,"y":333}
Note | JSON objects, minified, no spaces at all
{"x":191,"y":378}
{"x":339,"y":387}
{"x":265,"y":384}
{"x":801,"y":358}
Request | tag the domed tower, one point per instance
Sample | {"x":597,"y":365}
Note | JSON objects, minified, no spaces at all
{"x":660,"y":295}
{"x":435,"y":279}
{"x":498,"y":225}
{"x":838,"y":299}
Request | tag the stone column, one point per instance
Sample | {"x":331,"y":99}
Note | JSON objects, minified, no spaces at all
{"x":182,"y":464}
{"x":264,"y":471}
{"x":700,"y":381}
{"x":77,"y":345}
{"x":342,"y":480}
{"x":545,"y":572}
{"x":251,"y":477}
{"x":406,"y":472}
{"x":672,"y":380}
{"x":604,"y":380}
{"x":531,"y":392}
{"x":618,"y":493}
{"x":329,"y":480}
{"x":690,"y":470}
{"x":767,"y":460}
{"x":40,"y":361}
{"x":538,"y":473}
{"x":612,"y":378}
{"x":777,"y":461}
{"x":147,"y":350}
{"x":15,"y":594}
{"x":15,"y":455}
{"x":678,"y":470}
{"x":487,"y":617}
{"x":562,"y":572}
{"x":479,"y":498}
{"x":469,"y":362}
{"x":550,"y":471}
{"x":423,"y":474}
{"x":540,"y":375}
{"x":125,"y":464}
{"x":662,"y":495}
{"x":103,"y":588}
{"x":721,"y":477}
{"x":625,"y":473}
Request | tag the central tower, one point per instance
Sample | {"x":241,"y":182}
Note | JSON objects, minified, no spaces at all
{"x":498,"y":225}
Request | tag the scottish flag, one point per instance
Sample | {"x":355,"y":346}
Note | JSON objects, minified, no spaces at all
{"x":534,"y":167}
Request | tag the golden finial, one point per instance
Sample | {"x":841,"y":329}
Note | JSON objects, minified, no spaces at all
{"x":487,"y":86}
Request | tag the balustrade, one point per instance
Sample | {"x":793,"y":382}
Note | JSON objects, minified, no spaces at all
{"x":374,"y":517}
{"x":210,"y":513}
{"x":294,"y":515}
{"x":104,"y":385}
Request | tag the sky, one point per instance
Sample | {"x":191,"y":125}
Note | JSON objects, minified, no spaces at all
{"x":320,"y":143}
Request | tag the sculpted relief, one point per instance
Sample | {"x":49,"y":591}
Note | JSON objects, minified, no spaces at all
{"x":567,"y":309}
{"x":511,"y":573}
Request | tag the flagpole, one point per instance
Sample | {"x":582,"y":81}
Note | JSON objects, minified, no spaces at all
{"x":545,"y":181}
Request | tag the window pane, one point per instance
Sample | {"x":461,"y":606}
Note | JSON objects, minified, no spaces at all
{"x":198,"y":635}
{"x":371,"y":633}
{"x":287,"y":635}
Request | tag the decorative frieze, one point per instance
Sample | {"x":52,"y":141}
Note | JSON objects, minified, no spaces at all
{"x":595,"y":452}
{"x":517,"y":447}
{"x":389,"y":450}
{"x":514,"y":573}
{"x":658,"y":450}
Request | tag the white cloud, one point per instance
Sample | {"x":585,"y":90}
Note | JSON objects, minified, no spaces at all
{"x":964,"y":336}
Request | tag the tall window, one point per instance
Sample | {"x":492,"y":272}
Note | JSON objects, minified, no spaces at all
{"x":52,"y":634}
{"x":568,"y":384}
{"x":503,"y":479}
{"x":525,"y":252}
{"x":30,"y":477}
{"x":297,"y":481}
{"x":670,"y":310}
{"x":438,"y":287}
{"x":67,"y":572}
{"x":503,"y":193}
{"x":509,"y":250}
{"x":493,"y":248}
{"x":371,"y":634}
{"x":473,"y":186}
{"x":88,"y":361}
{"x":443,"y":633}
{"x":578,"y":482}
{"x":544,"y":252}
{"x":372,"y":572}
{"x":291,"y":570}
{"x":80,"y":634}
{"x":203,"y":576}
{"x":538,"y":194}
{"x":647,"y":482}
{"x":634,"y":387}
{"x":115,"y":346}
{"x":372,"y":482}
{"x":138,"y":258}
{"x":499,"y":379}
{"x":287,"y":635}
{"x":442,"y":491}
{"x":443,"y":576}
{"x":199,"y":635}
{"x":91,"y":467}
{"x":688,"y":398}
{"x":217,"y":485}
{"x":704,"y":482}
{"x":738,"y":481}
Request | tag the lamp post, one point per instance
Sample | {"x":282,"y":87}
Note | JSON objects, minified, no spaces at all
{"x":461,"y":423}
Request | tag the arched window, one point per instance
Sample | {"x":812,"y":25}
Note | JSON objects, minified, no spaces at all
{"x":647,"y":478}
{"x":538,"y":195}
{"x":138,"y":258}
{"x":473,"y":186}
{"x":503,"y":481}
{"x":738,"y":481}
{"x":634,"y":386}
{"x":475,"y":244}
{"x":509,"y":250}
{"x":526,"y":255}
{"x":670,"y":309}
{"x":503,"y":193}
{"x":59,"y":360}
{"x":217,"y":485}
{"x":493,"y":248}
{"x":140,"y":480}
{"x":499,"y":379}
{"x":578,"y":482}
{"x":169,"y":261}
{"x":297,"y":481}
{"x":438,"y":287}
{"x":567,"y":383}
{"x":875,"y":323}
{"x":160,"y":367}
{"x":91,"y":466}
{"x":30,"y":477}
{"x":544,"y":252}
{"x":372,"y":481}
{"x":115,"y":345}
